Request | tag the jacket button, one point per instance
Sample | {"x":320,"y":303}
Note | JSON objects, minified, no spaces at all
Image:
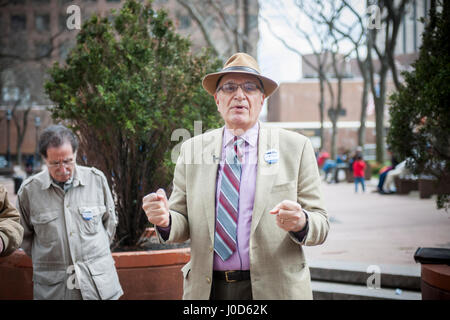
{"x":208,"y":279}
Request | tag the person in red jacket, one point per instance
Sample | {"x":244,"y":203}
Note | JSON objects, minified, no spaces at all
{"x":359,"y":167}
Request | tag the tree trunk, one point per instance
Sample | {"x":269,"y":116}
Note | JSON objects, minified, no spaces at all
{"x":321,"y":108}
{"x":363,"y":118}
{"x":337,"y":110}
{"x":245,"y":45}
{"x":333,"y":138}
{"x":21,"y":131}
{"x":379,"y":113}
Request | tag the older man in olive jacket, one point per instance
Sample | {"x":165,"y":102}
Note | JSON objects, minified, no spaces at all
{"x":11,"y":232}
{"x":69,"y":221}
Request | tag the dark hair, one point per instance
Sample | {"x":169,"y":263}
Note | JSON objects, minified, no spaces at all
{"x":358,"y":157}
{"x":55,"y":136}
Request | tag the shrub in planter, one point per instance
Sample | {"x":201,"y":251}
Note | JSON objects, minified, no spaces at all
{"x":420,"y":113}
{"x":128,"y":83}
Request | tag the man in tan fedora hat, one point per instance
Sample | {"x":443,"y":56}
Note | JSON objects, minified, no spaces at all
{"x":252,"y":202}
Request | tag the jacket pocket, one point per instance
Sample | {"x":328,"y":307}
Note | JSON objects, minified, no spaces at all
{"x":105,"y":277}
{"x":45,"y":226}
{"x":284,"y":186}
{"x":90,"y":218}
{"x":48,"y":285}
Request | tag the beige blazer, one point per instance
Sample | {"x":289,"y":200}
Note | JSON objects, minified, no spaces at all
{"x":277,"y":262}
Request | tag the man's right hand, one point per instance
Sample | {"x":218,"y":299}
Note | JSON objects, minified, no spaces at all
{"x":156,"y":208}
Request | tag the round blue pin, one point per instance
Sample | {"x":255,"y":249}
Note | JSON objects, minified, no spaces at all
{"x":87,"y":215}
{"x":271,"y":156}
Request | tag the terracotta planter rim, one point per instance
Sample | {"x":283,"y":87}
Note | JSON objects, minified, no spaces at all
{"x":436,"y":275}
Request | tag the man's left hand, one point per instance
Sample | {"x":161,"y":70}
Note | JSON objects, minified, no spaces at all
{"x":290,"y":216}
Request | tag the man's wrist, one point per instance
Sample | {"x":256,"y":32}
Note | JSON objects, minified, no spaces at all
{"x":302,"y":228}
{"x":300,"y":235}
{"x":306,"y":221}
{"x":165,"y":231}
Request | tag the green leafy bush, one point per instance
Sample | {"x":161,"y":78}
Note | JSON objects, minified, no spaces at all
{"x":420,"y":112}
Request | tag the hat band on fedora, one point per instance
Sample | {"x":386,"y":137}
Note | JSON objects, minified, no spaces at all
{"x":237,"y":68}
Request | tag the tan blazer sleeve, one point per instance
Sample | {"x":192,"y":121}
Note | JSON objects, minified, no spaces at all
{"x":311,"y":199}
{"x":11,"y":232}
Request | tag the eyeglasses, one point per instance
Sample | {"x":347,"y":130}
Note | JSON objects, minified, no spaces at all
{"x":248,"y":87}
{"x":64,"y":163}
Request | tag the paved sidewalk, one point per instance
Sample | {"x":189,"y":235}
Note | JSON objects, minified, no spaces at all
{"x":375,"y":229}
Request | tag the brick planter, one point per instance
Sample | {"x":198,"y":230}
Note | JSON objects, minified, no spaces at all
{"x":154,"y":275}
{"x":429,"y":187}
{"x":404,"y":186}
{"x":16,"y":277}
{"x":435,"y":282}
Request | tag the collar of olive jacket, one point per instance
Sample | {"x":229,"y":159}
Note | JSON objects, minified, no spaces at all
{"x":78,"y":178}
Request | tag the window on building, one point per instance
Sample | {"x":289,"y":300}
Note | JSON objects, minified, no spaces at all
{"x":42,"y":49}
{"x":231,"y":18}
{"x":62,"y":22}
{"x":18,"y":22}
{"x":185,"y":21}
{"x":64,"y":48}
{"x":253,"y":21}
{"x":42,"y":22}
{"x":17,"y":2}
{"x":39,"y":2}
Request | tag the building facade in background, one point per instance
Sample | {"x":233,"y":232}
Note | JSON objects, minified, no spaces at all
{"x":34,"y":34}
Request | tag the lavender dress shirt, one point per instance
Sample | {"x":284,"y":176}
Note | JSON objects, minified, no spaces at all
{"x":240,"y":260}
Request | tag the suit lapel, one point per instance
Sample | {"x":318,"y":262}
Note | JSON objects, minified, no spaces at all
{"x":212,"y":148}
{"x":266,"y":173}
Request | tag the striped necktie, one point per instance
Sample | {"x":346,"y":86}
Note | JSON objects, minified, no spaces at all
{"x":227,"y":211}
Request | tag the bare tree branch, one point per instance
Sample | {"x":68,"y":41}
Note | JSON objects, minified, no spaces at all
{"x":200,"y":21}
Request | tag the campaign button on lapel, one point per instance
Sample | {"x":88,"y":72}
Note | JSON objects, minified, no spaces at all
{"x":271,"y":156}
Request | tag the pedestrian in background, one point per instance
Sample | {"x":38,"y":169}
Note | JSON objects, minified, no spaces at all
{"x":359,"y":167}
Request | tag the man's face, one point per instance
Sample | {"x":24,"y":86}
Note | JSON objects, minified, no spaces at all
{"x":240,"y":109}
{"x":61,"y":162}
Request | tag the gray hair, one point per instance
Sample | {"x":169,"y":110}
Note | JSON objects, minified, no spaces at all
{"x":55,"y":136}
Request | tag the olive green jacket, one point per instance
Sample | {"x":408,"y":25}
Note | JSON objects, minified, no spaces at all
{"x":68,"y":236}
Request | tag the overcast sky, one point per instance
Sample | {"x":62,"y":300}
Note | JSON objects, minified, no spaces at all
{"x":276,"y":61}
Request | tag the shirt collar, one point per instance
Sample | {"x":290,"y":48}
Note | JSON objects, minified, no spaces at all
{"x":76,"y":179}
{"x":250,"y":136}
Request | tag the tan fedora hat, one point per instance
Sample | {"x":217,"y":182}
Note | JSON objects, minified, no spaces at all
{"x":239,"y":63}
